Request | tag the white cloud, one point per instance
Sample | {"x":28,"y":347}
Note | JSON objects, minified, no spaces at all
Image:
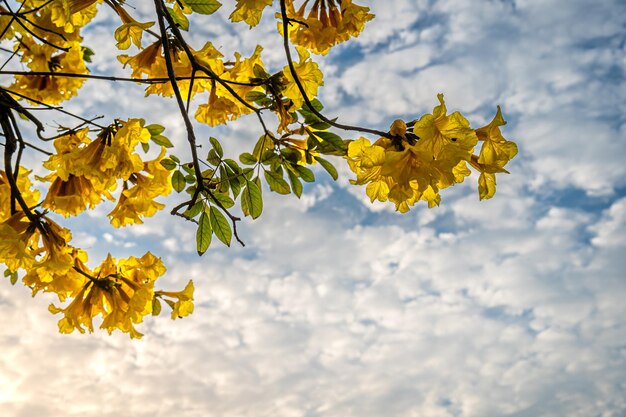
{"x":512,"y":306}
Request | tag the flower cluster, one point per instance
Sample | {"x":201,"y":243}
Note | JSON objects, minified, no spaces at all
{"x":327,"y":23}
{"x":121,"y":292}
{"x":49,"y":41}
{"x":86,"y":171}
{"x":416,"y":165}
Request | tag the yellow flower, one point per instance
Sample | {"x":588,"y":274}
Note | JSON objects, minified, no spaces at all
{"x":415,"y":167}
{"x":353,"y":18}
{"x":112,"y":156}
{"x":71,"y":191}
{"x":130,"y":31}
{"x":325,"y":25}
{"x":217,"y":111}
{"x":121,"y":292}
{"x":44,"y":58}
{"x":31,"y":197}
{"x":310,"y":77}
{"x":138,"y":201}
{"x":184,"y":304}
{"x":249,"y":11}
{"x":144,"y":61}
{"x":54,"y":270}
{"x":72,"y":14}
{"x":495,"y":153}
{"x":63,"y":283}
{"x":17,"y":237}
{"x":73,"y":196}
{"x":242,"y":71}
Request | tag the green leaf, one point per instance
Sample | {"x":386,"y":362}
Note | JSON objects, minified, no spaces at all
{"x":268,"y":156}
{"x":307,"y":113}
{"x":220,"y":226}
{"x":330,"y":137}
{"x":331,"y":143}
{"x":291,"y":155}
{"x":155,"y":129}
{"x":145,"y":147}
{"x":248,"y":173}
{"x":277,"y":183}
{"x":87,"y":53}
{"x":190,"y":179}
{"x":260,"y":72}
{"x":156,"y":306}
{"x":194,"y":210}
{"x":188,"y":167}
{"x":264,"y":143}
{"x":178,"y":181}
{"x":162,"y":140}
{"x":179,"y":18}
{"x":217,"y":146}
{"x":296,"y":185}
{"x":330,"y":168}
{"x":213,"y":158}
{"x":204,"y":6}
{"x":305,"y":173}
{"x":235,"y":186}
{"x":175,"y":159}
{"x":232,"y":164}
{"x":319,"y":125}
{"x":168,"y":164}
{"x":224,"y":183}
{"x":203,"y":234}
{"x":317,"y":105}
{"x":251,"y":200}
{"x":223,"y":199}
{"x":247,"y":158}
{"x":255,"y":96}
{"x":312,"y":142}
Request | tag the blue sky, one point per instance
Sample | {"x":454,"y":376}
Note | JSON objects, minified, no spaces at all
{"x":336,"y":307}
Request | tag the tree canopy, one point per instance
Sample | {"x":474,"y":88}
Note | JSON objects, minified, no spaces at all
{"x":132,"y":162}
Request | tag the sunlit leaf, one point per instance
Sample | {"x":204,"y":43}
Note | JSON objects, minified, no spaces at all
{"x":296,"y":185}
{"x":203,"y":234}
{"x":220,"y":225}
{"x":204,"y":6}
{"x":168,"y":164}
{"x":156,"y":306}
{"x":162,"y":140}
{"x":277,"y":183}
{"x":330,"y":168}
{"x":217,"y":146}
{"x":251,"y":200}
{"x":178,"y":181}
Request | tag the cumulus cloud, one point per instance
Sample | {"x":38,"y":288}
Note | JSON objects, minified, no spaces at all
{"x":507,"y":307}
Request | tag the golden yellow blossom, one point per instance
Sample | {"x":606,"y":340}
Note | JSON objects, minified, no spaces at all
{"x":45,"y":58}
{"x":325,"y":25}
{"x":412,"y":168}
{"x":17,"y":236}
{"x":310,"y":77}
{"x":495,"y":153}
{"x":184,"y":304}
{"x":72,"y":14}
{"x":249,"y":11}
{"x":121,"y":292}
{"x":31,"y":197}
{"x":217,"y":111}
{"x":139,"y":200}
